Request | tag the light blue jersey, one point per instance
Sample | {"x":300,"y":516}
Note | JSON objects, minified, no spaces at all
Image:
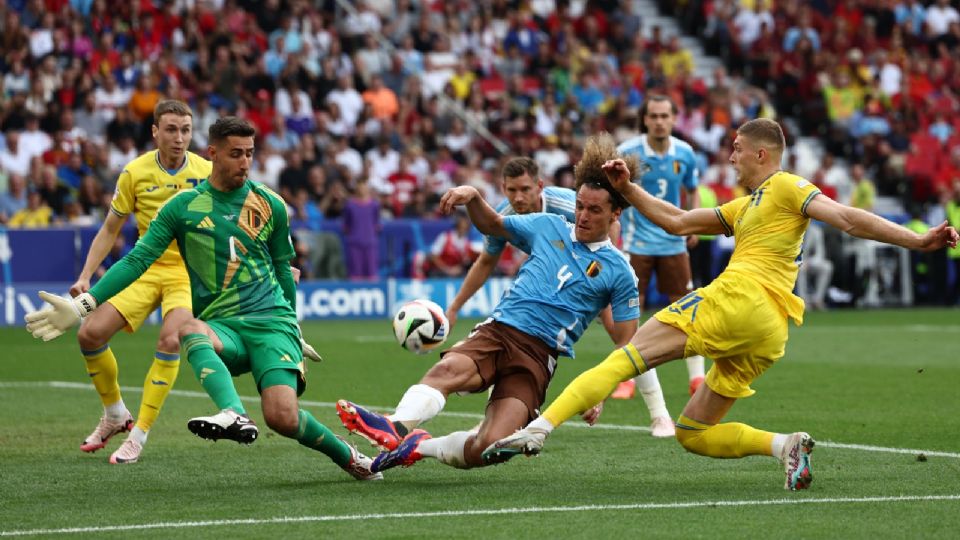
{"x":553,"y":200}
{"x":662,"y":177}
{"x":564,"y":284}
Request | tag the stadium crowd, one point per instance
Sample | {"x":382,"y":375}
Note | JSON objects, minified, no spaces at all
{"x":388,"y":105}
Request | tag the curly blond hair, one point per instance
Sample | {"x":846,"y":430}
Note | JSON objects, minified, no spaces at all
{"x":596,"y":151}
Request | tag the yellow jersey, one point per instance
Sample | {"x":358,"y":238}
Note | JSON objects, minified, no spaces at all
{"x":768,"y":226}
{"x":145,"y":185}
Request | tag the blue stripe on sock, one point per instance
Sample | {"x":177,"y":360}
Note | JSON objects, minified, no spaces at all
{"x":634,"y":362}
{"x":96,"y":352}
{"x":167,"y":356}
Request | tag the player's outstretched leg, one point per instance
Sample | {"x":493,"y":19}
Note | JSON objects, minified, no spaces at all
{"x":406,"y":453}
{"x":374,"y":427}
{"x":226,"y":424}
{"x":795,"y":457}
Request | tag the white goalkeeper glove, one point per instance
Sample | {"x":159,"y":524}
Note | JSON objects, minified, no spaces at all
{"x":308,"y":350}
{"x":62,"y":314}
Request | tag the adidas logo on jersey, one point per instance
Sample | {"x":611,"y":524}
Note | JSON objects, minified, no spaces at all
{"x":206,"y":223}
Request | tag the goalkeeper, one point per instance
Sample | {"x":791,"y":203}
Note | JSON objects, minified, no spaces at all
{"x":235,"y":240}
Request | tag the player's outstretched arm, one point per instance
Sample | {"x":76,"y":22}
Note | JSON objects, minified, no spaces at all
{"x":675,"y":221}
{"x":60,"y":315}
{"x":479,"y":272}
{"x":483,"y":216}
{"x":863,"y":224}
{"x":101,"y":245}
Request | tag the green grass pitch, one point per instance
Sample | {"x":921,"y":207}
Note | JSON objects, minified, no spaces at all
{"x":875,"y":388}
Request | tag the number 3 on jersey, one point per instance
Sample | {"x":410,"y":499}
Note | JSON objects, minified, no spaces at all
{"x":662,"y":185}
{"x":691,"y":300}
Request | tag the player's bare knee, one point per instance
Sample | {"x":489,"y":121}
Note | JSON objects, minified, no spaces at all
{"x":91,"y":337}
{"x":169,"y":342}
{"x":193,"y":326}
{"x":282,"y":419}
{"x":449,"y":375}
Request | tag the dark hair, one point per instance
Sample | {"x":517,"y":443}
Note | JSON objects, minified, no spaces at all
{"x":646,"y":102}
{"x":230,"y":126}
{"x":170,"y":106}
{"x":596,"y":151}
{"x":519,"y":165}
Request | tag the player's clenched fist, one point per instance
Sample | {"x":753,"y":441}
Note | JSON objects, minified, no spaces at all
{"x":457,"y":196}
{"x":61,"y":314}
{"x":618,"y":174}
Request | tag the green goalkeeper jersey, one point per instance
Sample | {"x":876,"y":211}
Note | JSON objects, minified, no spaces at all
{"x":236,"y":246}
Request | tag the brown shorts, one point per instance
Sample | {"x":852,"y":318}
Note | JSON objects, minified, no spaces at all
{"x":673,"y":274}
{"x":516,"y":364}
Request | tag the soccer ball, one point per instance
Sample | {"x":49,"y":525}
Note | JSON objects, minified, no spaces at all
{"x":420,"y":326}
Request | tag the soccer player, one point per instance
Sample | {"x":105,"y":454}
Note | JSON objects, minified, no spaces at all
{"x":739,"y":320}
{"x":525,"y":193}
{"x":573,"y":272}
{"x":143,"y":186}
{"x":234,"y":236}
{"x":669,"y":165}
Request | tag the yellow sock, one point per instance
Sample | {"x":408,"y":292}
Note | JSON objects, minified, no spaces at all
{"x":730,"y":440}
{"x":156,"y":387}
{"x":102,"y":368}
{"x":595,"y":384}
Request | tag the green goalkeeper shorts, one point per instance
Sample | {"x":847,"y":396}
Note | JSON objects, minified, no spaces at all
{"x":258,"y":345}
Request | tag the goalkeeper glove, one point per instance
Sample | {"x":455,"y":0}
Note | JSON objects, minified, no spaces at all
{"x":62,"y":313}
{"x":307,"y":349}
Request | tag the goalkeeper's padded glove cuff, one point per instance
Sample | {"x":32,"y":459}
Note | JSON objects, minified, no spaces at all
{"x":84,"y":304}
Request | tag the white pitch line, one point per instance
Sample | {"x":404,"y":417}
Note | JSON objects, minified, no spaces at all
{"x":489,"y":512}
{"x":471,"y":416}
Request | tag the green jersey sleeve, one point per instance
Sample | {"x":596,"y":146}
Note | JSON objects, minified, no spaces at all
{"x":281,"y":250}
{"x":134,"y":264}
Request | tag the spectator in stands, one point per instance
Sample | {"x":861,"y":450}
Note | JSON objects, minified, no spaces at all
{"x":803,"y":29}
{"x":675,"y":59}
{"x":382,"y":161}
{"x":109,"y":97}
{"x":864,"y":191}
{"x":73,"y":171}
{"x":90,"y":196}
{"x":939,"y":17}
{"x":452,"y":252}
{"x":361,"y":231}
{"x":403,"y":185}
{"x":34,"y":141}
{"x":279,"y":138}
{"x":121,"y":125}
{"x":305,"y":214}
{"x":293,"y":177}
{"x":144,"y":98}
{"x":15,"y":158}
{"x":14,"y":199}
{"x":551,"y":157}
{"x":53,"y":192}
{"x":371,"y":59}
{"x":348,"y":100}
{"x":37,"y":213}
